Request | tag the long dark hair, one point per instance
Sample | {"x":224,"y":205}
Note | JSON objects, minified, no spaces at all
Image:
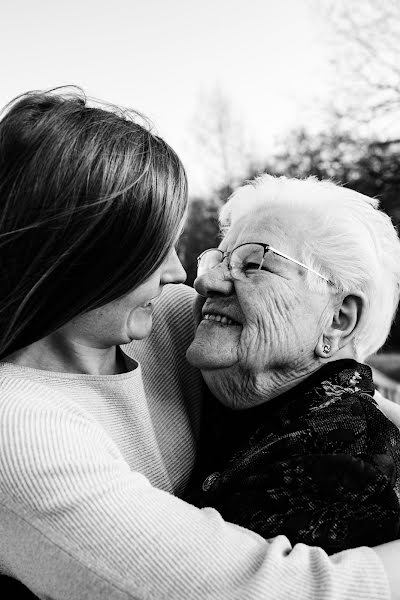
{"x":90,"y":204}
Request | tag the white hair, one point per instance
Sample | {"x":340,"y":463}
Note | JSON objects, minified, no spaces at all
{"x":349,"y":241}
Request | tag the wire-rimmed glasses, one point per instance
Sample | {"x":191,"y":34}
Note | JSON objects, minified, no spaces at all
{"x":245,"y":258}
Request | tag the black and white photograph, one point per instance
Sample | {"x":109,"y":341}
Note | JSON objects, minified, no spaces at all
{"x":199,"y":300}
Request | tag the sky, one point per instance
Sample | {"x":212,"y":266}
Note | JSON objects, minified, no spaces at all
{"x":163,"y":57}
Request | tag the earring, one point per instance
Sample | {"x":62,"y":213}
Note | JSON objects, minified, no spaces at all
{"x":326,"y":349}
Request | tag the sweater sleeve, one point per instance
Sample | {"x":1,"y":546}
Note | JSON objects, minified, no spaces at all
{"x":77,"y":523}
{"x":389,"y":408}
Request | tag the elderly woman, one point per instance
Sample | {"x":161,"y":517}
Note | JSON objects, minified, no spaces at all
{"x":302,"y":289}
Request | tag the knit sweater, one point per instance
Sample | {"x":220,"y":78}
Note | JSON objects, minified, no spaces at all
{"x":86,"y":464}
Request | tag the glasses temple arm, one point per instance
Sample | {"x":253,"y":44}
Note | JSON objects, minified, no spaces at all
{"x":300,"y":264}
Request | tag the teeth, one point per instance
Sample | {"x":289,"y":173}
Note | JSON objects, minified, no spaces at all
{"x":220,"y":319}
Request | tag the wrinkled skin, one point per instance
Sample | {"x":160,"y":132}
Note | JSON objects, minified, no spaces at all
{"x":278,"y":320}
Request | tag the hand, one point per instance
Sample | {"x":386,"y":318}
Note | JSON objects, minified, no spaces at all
{"x":390,"y":556}
{"x":389,"y":408}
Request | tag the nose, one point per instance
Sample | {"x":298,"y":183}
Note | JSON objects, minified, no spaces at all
{"x":173,"y":271}
{"x":215,"y":282}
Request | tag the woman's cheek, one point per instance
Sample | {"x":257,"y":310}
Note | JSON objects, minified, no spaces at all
{"x":270,"y":333}
{"x":261,"y":337}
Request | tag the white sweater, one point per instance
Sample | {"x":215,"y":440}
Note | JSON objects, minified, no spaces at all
{"x":87,"y":465}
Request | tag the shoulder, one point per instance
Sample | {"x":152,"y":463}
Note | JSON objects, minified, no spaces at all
{"x":22,"y":394}
{"x":173,"y":325}
{"x":353,"y":411}
{"x":173,"y":292}
{"x":41,"y":426}
{"x":350,"y":424}
{"x":355,"y":433}
{"x":175,"y":305}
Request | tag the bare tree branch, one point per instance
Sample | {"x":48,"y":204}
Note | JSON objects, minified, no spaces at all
{"x":220,"y":139}
{"x":366,"y":44}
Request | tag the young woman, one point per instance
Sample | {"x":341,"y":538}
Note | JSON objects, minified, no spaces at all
{"x":91,"y":206}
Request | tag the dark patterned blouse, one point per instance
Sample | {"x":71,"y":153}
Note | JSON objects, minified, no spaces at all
{"x":319,"y":464}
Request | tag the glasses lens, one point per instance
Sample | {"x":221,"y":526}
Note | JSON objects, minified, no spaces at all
{"x":246,"y":259}
{"x":208,"y":260}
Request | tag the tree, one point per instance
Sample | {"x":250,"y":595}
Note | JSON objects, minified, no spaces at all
{"x":219,"y":138}
{"x":370,"y":167}
{"x":367,"y":165}
{"x":366,"y":44}
{"x":201,"y":232}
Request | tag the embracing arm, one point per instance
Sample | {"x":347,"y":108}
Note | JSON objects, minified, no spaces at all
{"x":76,"y":522}
{"x":389,"y":554}
{"x":389,"y":408}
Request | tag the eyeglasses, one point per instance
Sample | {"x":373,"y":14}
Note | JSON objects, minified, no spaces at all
{"x":244,"y":259}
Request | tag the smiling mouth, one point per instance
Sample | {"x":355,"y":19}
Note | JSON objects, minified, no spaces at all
{"x":220,"y":319}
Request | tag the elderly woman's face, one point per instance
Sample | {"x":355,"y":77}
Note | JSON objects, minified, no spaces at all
{"x":268,"y":322}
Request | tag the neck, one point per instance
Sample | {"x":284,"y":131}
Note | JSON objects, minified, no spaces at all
{"x":57,"y":352}
{"x":238,"y":389}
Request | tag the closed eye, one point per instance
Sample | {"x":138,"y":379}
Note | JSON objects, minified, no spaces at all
{"x":252,"y":266}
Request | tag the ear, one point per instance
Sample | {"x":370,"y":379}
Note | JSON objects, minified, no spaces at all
{"x":342,"y":328}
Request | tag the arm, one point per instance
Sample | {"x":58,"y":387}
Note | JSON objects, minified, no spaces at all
{"x":389,"y":554}
{"x":76,"y":522}
{"x":389,"y":408}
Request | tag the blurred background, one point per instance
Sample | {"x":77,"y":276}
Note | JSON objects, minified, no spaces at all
{"x":237,"y":87}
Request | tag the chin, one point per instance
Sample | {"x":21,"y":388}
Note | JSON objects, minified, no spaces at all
{"x":208,"y":357}
{"x":195,"y":356}
{"x":139,"y":332}
{"x":214,"y":346}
